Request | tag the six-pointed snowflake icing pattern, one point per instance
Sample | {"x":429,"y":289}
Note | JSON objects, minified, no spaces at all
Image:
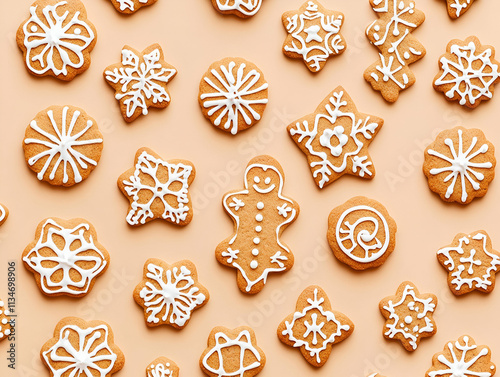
{"x":229,"y":350}
{"x":140,"y":81}
{"x":471,"y":263}
{"x":158,"y":189}
{"x":81,"y":351}
{"x":6,"y":321}
{"x":169,"y":294}
{"x":335,"y":139}
{"x":313,"y":34}
{"x":131,"y":6}
{"x":468,"y":72}
{"x":235,"y":94}
{"x":314,"y":327}
{"x":462,"y":358}
{"x":71,"y":267}
{"x":409,"y":316}
{"x":457,"y":8}
{"x":57,"y":39}
{"x":464,"y":165}
{"x":391,"y":34}
{"x":62,"y":146}
{"x":242,"y":8}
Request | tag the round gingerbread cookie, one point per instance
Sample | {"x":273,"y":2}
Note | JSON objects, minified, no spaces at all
{"x":361,"y":233}
{"x":233,"y":94}
{"x":57,"y":38}
{"x":240,"y":8}
{"x":62,"y":145}
{"x":5,"y":321}
{"x":131,"y":6}
{"x":460,"y":164}
{"x":4,"y":213}
{"x":162,"y":367}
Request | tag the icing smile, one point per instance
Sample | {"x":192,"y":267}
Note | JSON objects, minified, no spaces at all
{"x":264,"y":191}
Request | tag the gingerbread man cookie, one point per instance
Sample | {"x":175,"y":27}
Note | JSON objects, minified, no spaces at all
{"x":409,"y":316}
{"x":158,"y":189}
{"x":335,"y":139}
{"x":170,"y":293}
{"x":81,"y":348}
{"x":314,"y":328}
{"x":4,"y":213}
{"x":232,"y":353}
{"x":162,"y":367}
{"x":57,"y":38}
{"x":240,"y":8}
{"x":140,"y":81}
{"x":5,"y":322}
{"x":471,"y":263}
{"x":131,"y":6}
{"x":313,"y":34}
{"x":457,"y":8}
{"x":468,"y":72}
{"x":260,"y":213}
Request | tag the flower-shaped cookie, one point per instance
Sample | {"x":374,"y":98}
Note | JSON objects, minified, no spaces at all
{"x":460,"y":164}
{"x":409,"y":315}
{"x":5,"y":321}
{"x":457,"y":8}
{"x":471,"y":263}
{"x":158,"y":189}
{"x":335,"y":139}
{"x":162,"y":367}
{"x":81,"y":348}
{"x":313,"y":34}
{"x":4,"y":213}
{"x":140,"y":81}
{"x":468,"y":72}
{"x":57,"y":39}
{"x":314,"y":328}
{"x":170,"y":293}
{"x":240,"y":8}
{"x":232,"y":353}
{"x":65,"y":257}
{"x":62,"y":145}
{"x":131,"y":6}
{"x":462,"y":358}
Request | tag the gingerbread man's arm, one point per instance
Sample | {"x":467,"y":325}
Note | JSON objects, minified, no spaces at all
{"x":233,"y":202}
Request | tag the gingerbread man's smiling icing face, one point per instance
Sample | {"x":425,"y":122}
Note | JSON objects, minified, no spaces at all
{"x":262,"y":179}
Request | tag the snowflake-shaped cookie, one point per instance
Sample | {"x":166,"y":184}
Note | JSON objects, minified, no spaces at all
{"x":462,"y":358}
{"x":233,"y":94}
{"x":158,"y":189}
{"x":468,"y":72}
{"x":313,"y":34}
{"x":81,"y":348}
{"x":335,"y":139}
{"x":4,"y":213}
{"x":314,"y":328}
{"x":162,"y":367}
{"x":5,"y":321}
{"x":471,"y":263}
{"x":457,"y":8}
{"x":170,"y":293}
{"x":65,"y":257}
{"x":460,"y":164}
{"x":409,"y":315}
{"x":140,"y":81}
{"x":232,"y":353}
{"x":62,"y":145}
{"x":240,"y":8}
{"x":57,"y":39}
{"x":131,"y":6}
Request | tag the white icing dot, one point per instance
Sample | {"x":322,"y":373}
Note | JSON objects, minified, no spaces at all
{"x":256,"y":179}
{"x":1,"y":335}
{"x":259,"y":217}
{"x":256,"y":240}
{"x":34,"y":29}
{"x":407,"y":55}
{"x":408,"y":319}
{"x":267,"y":181}
{"x":260,"y":205}
{"x":7,"y":332}
{"x":78,"y":31}
{"x":258,"y":229}
{"x":152,"y":366}
{"x":254,"y":264}
{"x":255,"y":252}
{"x":376,"y":28}
{"x":7,"y":312}
{"x":4,"y":321}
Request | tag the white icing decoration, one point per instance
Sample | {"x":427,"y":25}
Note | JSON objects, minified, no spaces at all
{"x":62,"y":142}
{"x":92,"y":353}
{"x":320,"y":41}
{"x":129,"y":4}
{"x":177,"y":173}
{"x":245,"y":7}
{"x":3,"y":213}
{"x":141,"y":81}
{"x":471,"y":76}
{"x":5,"y":322}
{"x":230,"y":96}
{"x":173,"y":291}
{"x":410,"y":301}
{"x":63,"y":261}
{"x":461,"y":165}
{"x":277,"y":258}
{"x":320,"y":340}
{"x":463,"y":273}
{"x":368,"y":241}
{"x":244,"y":342}
{"x":160,"y":370}
{"x":54,"y":33}
{"x":459,"y":6}
{"x":463,"y":365}
{"x":333,"y":114}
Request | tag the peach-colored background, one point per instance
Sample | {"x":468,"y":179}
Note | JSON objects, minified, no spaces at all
{"x":193,"y":36}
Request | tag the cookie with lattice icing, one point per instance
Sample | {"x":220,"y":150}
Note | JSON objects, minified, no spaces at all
{"x":4,"y":213}
{"x":65,"y":257}
{"x":5,"y":321}
{"x":62,"y":145}
{"x":240,"y":8}
{"x":131,"y":6}
{"x":57,"y":39}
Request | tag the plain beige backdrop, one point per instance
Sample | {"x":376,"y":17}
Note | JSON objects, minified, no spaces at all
{"x":193,"y":36}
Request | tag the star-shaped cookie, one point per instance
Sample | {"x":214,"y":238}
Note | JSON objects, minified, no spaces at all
{"x":313,"y":34}
{"x":471,"y":263}
{"x":335,"y":139}
{"x":457,"y":8}
{"x":314,"y":328}
{"x":409,"y":315}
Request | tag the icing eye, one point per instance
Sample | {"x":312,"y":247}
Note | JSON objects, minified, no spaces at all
{"x":78,"y":31}
{"x":256,"y":179}
{"x":267,"y":181}
{"x":34,"y":29}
